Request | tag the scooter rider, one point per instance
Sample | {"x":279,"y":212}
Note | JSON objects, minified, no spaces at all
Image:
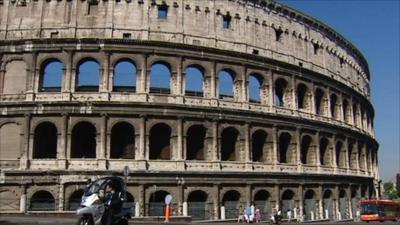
{"x":113,"y":204}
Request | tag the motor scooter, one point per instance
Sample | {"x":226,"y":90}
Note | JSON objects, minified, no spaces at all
{"x":93,"y":208}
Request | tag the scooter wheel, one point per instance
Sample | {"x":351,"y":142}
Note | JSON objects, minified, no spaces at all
{"x":85,"y":221}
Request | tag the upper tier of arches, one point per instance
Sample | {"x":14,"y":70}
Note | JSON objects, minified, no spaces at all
{"x":271,"y":30}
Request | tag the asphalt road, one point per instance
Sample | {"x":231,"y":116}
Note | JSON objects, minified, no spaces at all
{"x":71,"y":221}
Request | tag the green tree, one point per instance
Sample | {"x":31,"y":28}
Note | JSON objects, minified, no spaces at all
{"x":390,"y":191}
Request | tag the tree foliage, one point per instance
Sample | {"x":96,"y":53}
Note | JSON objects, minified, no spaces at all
{"x":390,"y":191}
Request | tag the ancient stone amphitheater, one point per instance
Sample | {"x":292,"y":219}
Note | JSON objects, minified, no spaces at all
{"x":219,"y":103}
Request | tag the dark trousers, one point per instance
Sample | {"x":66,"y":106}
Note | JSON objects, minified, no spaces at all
{"x":108,"y":217}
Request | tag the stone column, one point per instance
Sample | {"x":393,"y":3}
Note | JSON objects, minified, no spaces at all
{"x":249,"y":194}
{"x":22,"y":203}
{"x":181,"y":198}
{"x":62,"y":150}
{"x":179,"y":81}
{"x":179,"y":147}
{"x":301,"y":200}
{"x":61,"y":197}
{"x":275,"y":146}
{"x":215,"y":145}
{"x":271,"y":99}
{"x":349,"y":208}
{"x":142,"y":200}
{"x":2,"y":73}
{"x":142,"y":138}
{"x":317,"y":151}
{"x":320,"y":203}
{"x":336,"y":201}
{"x":294,"y":94}
{"x":346,"y":146}
{"x":313,"y":109}
{"x":24,"y":160}
{"x":216,"y":192}
{"x":143,"y":85}
{"x":245,"y":86}
{"x":106,"y":70}
{"x":103,"y":154}
{"x":298,"y":150}
{"x":277,"y":196}
{"x":214,"y":81}
{"x":248,"y":157}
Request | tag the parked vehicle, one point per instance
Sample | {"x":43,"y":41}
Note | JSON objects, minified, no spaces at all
{"x":92,"y":204}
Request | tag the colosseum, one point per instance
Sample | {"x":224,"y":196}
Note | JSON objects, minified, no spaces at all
{"x":220,"y":103}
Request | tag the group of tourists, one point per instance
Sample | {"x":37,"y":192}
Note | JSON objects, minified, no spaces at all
{"x":249,"y":214}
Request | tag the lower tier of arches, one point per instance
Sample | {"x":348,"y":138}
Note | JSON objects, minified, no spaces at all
{"x":203,"y":196}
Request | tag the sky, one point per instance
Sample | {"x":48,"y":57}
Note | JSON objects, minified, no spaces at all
{"x":373,"y":27}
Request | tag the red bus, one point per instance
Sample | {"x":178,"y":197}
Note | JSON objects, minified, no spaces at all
{"x":380,"y":210}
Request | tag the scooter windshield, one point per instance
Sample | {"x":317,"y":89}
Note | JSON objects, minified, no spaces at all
{"x":95,"y":187}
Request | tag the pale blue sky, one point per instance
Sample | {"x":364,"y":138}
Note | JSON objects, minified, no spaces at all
{"x":373,"y":27}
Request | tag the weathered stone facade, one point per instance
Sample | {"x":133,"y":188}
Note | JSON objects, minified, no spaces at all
{"x":307,"y":141}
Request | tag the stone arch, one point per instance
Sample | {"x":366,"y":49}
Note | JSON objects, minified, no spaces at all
{"x":45,"y":141}
{"x":160,"y":142}
{"x":9,"y":200}
{"x":286,"y":151}
{"x":262,"y":201}
{"x":327,"y":205}
{"x":255,"y":83}
{"x":160,"y":77}
{"x":282,"y":97}
{"x":345,"y":110}
{"x":230,"y":201}
{"x":325,"y":153}
{"x":88,"y":75}
{"x":83,"y":140}
{"x":352,"y":155}
{"x":361,"y":155}
{"x":340,"y":154}
{"x":195,"y":142}
{"x":226,"y":83}
{"x":307,"y":150}
{"x":309,"y":205}
{"x":197,"y":205}
{"x":333,"y":107}
{"x":287,"y":201}
{"x":51,"y":75}
{"x":156,"y":203}
{"x":259,"y":146}
{"x":230,"y":144}
{"x":10,"y":147}
{"x":303,"y":97}
{"x":355,"y":198}
{"x":42,"y":201}
{"x":74,"y":200}
{"x":15,"y":77}
{"x":343,"y":205}
{"x":320,"y":102}
{"x":124,"y":76}
{"x":122,"y":141}
{"x":355,"y":110}
{"x":194,"y":80}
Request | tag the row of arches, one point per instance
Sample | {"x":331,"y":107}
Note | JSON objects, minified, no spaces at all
{"x":318,"y":100}
{"x":200,"y":204}
{"x":197,"y":141}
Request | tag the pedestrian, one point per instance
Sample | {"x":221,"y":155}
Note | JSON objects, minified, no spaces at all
{"x":289,"y":215}
{"x":240,"y":215}
{"x":257,"y":215}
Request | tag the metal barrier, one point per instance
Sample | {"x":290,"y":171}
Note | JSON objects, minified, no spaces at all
{"x":201,"y":210}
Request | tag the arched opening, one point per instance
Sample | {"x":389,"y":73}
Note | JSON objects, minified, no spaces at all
{"x":345,"y":110}
{"x":255,"y":82}
{"x":258,"y":140}
{"x":287,"y":202}
{"x":328,"y":205}
{"x":194,"y":76}
{"x":160,"y":78}
{"x":51,"y":76}
{"x":197,"y":205}
{"x":324,"y":156}
{"x":157,"y":204}
{"x":340,"y":155}
{"x":284,"y":151}
{"x":319,"y":104}
{"x":343,"y":206}
{"x":42,"y":201}
{"x":195,"y":142}
{"x":333,"y":109}
{"x":280,"y":92}
{"x":160,"y":147}
{"x":83,"y":143}
{"x":354,"y":201}
{"x":75,"y":200}
{"x":45,"y":141}
{"x":355,"y":111}
{"x":231,"y":202}
{"x":303,"y":101}
{"x":229,"y":139}
{"x":352,"y":153}
{"x":309,"y":205}
{"x":122,"y":141}
{"x":88,"y":75}
{"x":124,"y":76}
{"x":130,"y":202}
{"x":305,"y":150}
{"x":225,"y":83}
{"x":10,"y":147}
{"x":261,"y":201}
